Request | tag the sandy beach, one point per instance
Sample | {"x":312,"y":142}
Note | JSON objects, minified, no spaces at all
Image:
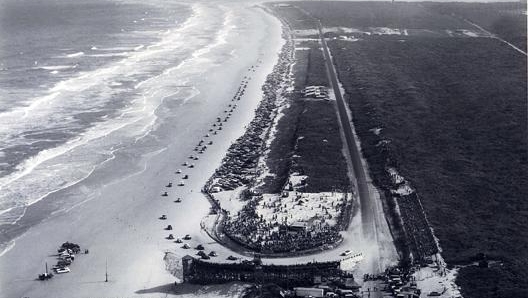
{"x":117,"y":220}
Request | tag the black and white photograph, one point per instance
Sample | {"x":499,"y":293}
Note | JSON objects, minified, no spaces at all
{"x":263,"y":149}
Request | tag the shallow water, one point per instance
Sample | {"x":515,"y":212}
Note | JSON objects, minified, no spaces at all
{"x":95,"y":79}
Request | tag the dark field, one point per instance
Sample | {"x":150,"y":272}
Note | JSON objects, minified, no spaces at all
{"x":458,"y":133}
{"x":380,"y":14}
{"x":308,"y":140}
{"x":453,"y":113}
{"x":503,"y":19}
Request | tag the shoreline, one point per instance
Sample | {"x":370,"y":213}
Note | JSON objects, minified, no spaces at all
{"x":120,"y":221}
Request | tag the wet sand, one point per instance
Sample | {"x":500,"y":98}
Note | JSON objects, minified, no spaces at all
{"x":119,"y":222}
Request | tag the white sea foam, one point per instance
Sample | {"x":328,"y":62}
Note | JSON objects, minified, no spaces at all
{"x":78,"y":54}
{"x":57,"y":168}
{"x":56,"y":67}
{"x":119,"y":54}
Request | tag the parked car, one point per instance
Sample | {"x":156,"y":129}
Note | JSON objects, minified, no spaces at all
{"x":63,"y":263}
{"x":45,"y":276}
{"x":186,"y":246}
{"x":200,"y":247}
{"x":201,"y":253}
{"x":187,"y":237}
{"x":62,"y":270}
{"x":346,"y":252}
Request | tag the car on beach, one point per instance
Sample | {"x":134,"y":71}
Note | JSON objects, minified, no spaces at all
{"x":191,"y":166}
{"x":169,"y":227}
{"x":346,"y":252}
{"x":163,"y":217}
{"x":185,"y":177}
{"x":45,"y":276}
{"x":178,"y":240}
{"x":200,"y":247}
{"x":170,"y":237}
{"x":186,"y":246}
{"x":187,"y":237}
{"x":185,"y":163}
{"x":181,"y":183}
{"x":62,"y":270}
{"x":63,"y":263}
{"x":232,"y":258}
{"x":213,"y":254}
{"x":200,"y":253}
{"x":69,"y":259}
{"x":178,"y":200}
{"x":205,"y":257}
{"x":178,"y":171}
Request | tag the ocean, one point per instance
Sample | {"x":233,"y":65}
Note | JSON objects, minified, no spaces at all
{"x":81,"y":81}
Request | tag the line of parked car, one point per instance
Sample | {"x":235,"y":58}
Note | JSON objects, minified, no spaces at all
{"x":66,"y":256}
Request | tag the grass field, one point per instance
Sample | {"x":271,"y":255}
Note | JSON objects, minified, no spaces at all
{"x":504,"y":19}
{"x":453,"y":118}
{"x":308,"y":141}
{"x":379,"y":14}
{"x":454,"y":112}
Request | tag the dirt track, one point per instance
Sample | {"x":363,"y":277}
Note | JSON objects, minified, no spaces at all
{"x":374,"y":229}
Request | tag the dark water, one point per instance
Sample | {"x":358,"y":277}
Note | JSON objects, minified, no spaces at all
{"x":69,"y":74}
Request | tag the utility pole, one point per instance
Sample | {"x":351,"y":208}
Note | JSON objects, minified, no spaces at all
{"x":106,"y":270}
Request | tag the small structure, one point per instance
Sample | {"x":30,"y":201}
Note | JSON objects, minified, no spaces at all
{"x":319,"y":92}
{"x":197,"y":271}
